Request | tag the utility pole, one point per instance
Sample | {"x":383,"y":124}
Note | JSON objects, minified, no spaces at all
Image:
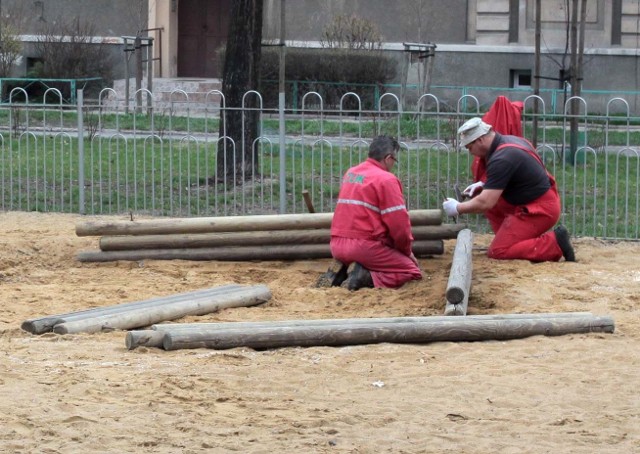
{"x":577,"y":60}
{"x":536,"y":75}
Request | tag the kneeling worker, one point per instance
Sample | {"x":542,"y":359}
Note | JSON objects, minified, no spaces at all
{"x":519,"y":197}
{"x":371,"y":226}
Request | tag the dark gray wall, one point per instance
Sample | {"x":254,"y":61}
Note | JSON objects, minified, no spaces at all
{"x":439,"y":21}
{"x":398,"y":20}
{"x":110,"y":17}
{"x":601,"y":72}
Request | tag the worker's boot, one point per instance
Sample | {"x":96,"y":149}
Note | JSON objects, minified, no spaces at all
{"x":335,"y":275}
{"x":359,"y":277}
{"x":564,"y":241}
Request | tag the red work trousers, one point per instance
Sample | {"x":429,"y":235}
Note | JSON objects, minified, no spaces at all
{"x":522,"y":232}
{"x":389,"y":267}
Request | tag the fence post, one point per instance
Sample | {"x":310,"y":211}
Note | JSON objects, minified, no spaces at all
{"x":79,"y":106}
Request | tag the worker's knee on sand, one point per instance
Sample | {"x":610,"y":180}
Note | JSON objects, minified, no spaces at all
{"x":499,"y":253}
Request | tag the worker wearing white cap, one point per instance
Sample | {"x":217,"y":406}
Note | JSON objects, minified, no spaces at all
{"x":519,"y":197}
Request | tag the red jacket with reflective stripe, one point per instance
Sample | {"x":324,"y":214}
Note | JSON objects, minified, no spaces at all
{"x":371,"y":206}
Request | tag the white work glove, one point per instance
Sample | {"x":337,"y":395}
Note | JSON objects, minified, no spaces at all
{"x":472,"y":188}
{"x":450,"y":206}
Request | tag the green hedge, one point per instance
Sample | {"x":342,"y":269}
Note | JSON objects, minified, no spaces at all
{"x":330,"y":72}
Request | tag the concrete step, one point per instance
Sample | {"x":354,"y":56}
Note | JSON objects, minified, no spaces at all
{"x":180,"y":94}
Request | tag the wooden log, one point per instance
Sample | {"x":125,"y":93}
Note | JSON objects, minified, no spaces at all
{"x":308,"y":202}
{"x":144,"y":338}
{"x":230,"y":224}
{"x":257,"y":238}
{"x":456,"y":330}
{"x":361,"y":321}
{"x":137,"y":318}
{"x":459,"y":284}
{"x":241,"y":253}
{"x":45,"y":324}
{"x":155,"y":336}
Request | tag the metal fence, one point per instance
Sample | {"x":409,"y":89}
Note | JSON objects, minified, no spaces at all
{"x":109,"y":156}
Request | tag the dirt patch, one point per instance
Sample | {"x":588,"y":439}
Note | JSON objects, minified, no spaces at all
{"x":88,"y":393}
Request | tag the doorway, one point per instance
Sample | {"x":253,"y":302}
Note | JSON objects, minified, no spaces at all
{"x":202,"y":30}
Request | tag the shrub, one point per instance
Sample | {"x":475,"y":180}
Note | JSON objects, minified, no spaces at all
{"x":330,"y":72}
{"x":68,"y":51}
{"x":351,"y":32}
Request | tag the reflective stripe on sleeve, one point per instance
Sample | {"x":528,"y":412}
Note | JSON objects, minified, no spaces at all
{"x":392,"y":209}
{"x":372,"y":207}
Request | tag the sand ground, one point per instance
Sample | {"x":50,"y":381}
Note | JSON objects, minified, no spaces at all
{"x":88,"y":393}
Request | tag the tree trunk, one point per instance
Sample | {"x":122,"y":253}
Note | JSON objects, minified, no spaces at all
{"x":239,"y":123}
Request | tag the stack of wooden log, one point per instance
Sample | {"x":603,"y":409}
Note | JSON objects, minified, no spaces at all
{"x":147,"y":312}
{"x":238,"y":238}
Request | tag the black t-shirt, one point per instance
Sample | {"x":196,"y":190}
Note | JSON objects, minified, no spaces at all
{"x":521,"y":176}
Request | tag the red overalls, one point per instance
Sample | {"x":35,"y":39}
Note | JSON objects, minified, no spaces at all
{"x":371,"y":225}
{"x":522,"y":231}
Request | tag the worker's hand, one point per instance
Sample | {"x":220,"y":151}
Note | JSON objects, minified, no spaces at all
{"x":450,"y":206}
{"x":414,"y":259}
{"x":472,"y":188}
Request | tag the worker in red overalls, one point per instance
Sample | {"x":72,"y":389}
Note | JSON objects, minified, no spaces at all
{"x":370,"y":226}
{"x":520,"y":193}
{"x":505,"y":117}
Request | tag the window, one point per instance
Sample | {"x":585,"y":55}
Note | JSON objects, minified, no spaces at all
{"x":520,"y":78}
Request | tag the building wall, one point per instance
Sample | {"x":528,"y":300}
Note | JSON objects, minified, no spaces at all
{"x":476,"y":42}
{"x":398,"y":20}
{"x":109,"y":20}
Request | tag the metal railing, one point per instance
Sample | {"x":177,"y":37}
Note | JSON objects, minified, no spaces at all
{"x":169,"y":160}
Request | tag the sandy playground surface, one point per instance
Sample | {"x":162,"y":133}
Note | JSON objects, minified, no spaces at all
{"x":88,"y":393}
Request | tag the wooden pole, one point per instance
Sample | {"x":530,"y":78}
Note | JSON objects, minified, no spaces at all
{"x":230,"y":224}
{"x":307,"y":201}
{"x":257,"y":238}
{"x":155,"y":336}
{"x":46,"y":324}
{"x":144,"y":338}
{"x":360,"y":321}
{"x":459,"y":283}
{"x":137,"y":318}
{"x":456,"y":330}
{"x":241,"y":253}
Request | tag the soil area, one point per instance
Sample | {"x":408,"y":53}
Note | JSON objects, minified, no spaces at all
{"x":576,"y":393}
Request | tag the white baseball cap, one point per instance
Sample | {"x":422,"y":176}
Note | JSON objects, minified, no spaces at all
{"x":472,"y":130}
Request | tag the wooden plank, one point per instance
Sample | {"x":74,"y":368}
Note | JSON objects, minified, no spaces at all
{"x":149,"y":339}
{"x":230,"y":224}
{"x":241,"y":253}
{"x":140,"y":317}
{"x":456,"y":330}
{"x":459,"y":284}
{"x":45,"y":324}
{"x":257,"y":238}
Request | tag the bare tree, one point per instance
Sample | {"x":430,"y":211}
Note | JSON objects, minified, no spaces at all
{"x":68,"y":50}
{"x":351,"y":32}
{"x":239,"y":128}
{"x":11,"y":24}
{"x":137,"y":15}
{"x":575,"y":18}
